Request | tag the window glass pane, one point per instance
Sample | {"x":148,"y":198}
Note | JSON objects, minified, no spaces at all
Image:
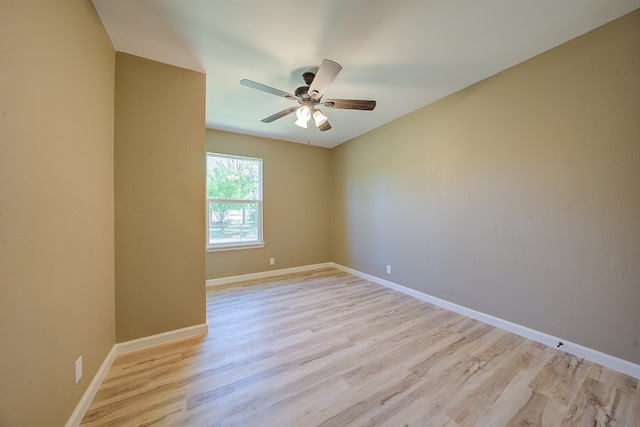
{"x":233,"y":223}
{"x":233,"y":178}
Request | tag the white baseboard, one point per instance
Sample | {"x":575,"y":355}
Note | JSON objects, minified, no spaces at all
{"x":126,"y":347}
{"x":90,"y":392}
{"x":263,"y":274}
{"x":587,"y":353}
{"x":162,"y":338}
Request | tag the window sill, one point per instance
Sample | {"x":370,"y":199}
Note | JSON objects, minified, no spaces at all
{"x":235,"y":247}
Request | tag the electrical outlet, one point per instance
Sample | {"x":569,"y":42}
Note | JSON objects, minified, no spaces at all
{"x":272,"y":261}
{"x":78,"y":369}
{"x":388,"y":269}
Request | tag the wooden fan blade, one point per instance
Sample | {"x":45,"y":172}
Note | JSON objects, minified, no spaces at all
{"x":279,"y":115}
{"x":264,"y":88}
{"x":326,"y":73}
{"x":349,"y":104}
{"x":325,"y":126}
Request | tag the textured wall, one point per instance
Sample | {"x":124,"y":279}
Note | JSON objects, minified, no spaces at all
{"x":296,"y":192}
{"x":56,"y":206}
{"x":518,"y":197}
{"x":159,"y":197}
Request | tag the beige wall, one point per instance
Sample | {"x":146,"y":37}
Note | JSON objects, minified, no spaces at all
{"x":518,"y":197}
{"x":159,"y":204}
{"x":56,"y":206}
{"x":296,"y":206}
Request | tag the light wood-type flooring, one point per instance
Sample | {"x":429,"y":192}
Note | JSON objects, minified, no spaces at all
{"x":326,"y":348}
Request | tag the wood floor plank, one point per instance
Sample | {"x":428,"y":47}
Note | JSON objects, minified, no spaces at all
{"x":634,"y":414}
{"x":326,"y":348}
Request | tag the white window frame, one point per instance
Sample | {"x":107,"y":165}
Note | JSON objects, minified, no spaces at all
{"x":259,"y":242}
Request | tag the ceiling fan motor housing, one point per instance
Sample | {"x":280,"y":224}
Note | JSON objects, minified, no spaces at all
{"x":302,"y":92}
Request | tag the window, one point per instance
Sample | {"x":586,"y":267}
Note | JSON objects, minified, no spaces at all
{"x":234,"y":202}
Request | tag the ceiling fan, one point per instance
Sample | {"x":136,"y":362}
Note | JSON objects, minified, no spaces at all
{"x":310,"y":97}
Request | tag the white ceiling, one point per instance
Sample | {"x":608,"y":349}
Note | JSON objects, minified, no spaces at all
{"x":404,"y":54}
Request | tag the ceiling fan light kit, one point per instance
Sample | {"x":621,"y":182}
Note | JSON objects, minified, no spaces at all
{"x":319,"y":118}
{"x":311,"y":95}
{"x":303,"y":115}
